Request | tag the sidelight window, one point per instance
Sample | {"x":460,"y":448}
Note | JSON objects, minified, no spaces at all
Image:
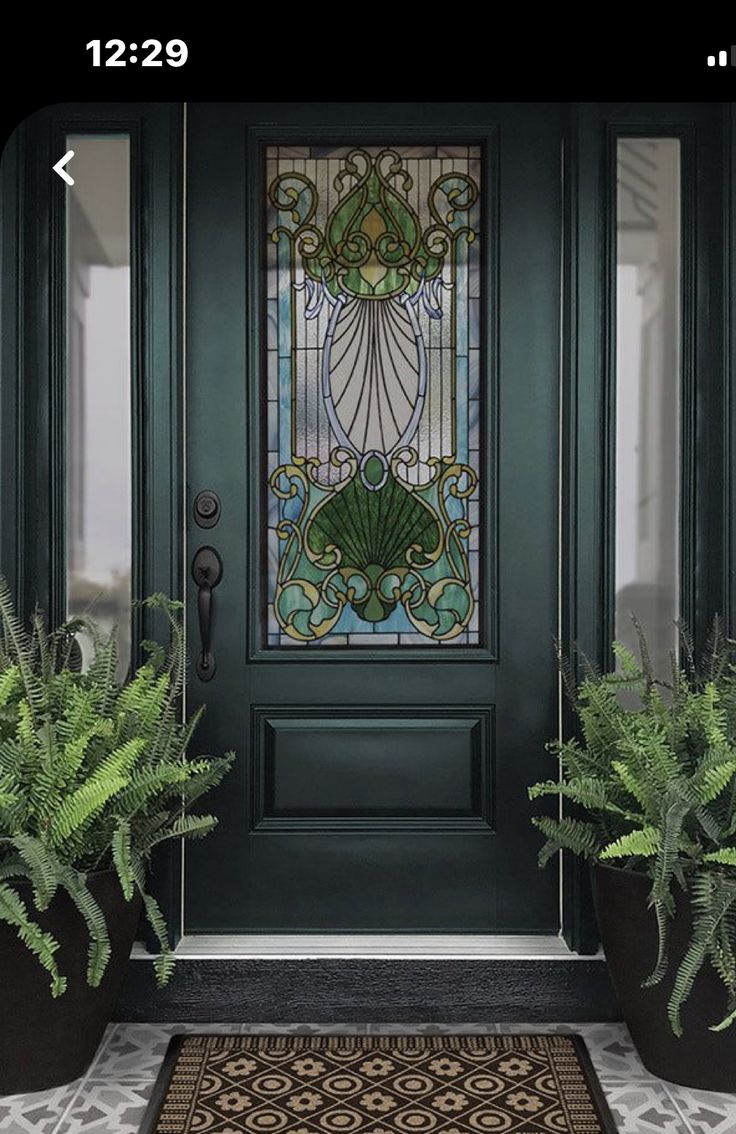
{"x":648,"y":368}
{"x":98,"y":392}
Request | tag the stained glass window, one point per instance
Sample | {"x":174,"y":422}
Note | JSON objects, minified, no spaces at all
{"x":373,"y":422}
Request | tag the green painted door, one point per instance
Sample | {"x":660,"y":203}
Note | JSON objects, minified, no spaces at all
{"x":372,"y":309}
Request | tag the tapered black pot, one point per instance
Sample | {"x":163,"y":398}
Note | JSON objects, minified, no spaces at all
{"x":700,"y":1058}
{"x":45,"y":1041}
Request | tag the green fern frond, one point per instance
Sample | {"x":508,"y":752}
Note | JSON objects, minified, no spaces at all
{"x":715,"y":780}
{"x":644,"y":843}
{"x":723,"y":958}
{"x":663,"y":923}
{"x":159,"y":601}
{"x":133,"y":696}
{"x":42,"y":945}
{"x":711,"y":901}
{"x":75,"y":884}
{"x":647,"y":668}
{"x":42,"y":867}
{"x":11,"y":682}
{"x":592,"y":794}
{"x":73,"y":754}
{"x":655,"y":787}
{"x":688,"y":648}
{"x":710,"y":823}
{"x":566,"y":673}
{"x":629,"y":666}
{"x":201,"y":779}
{"x":147,"y":784}
{"x":26,"y":724}
{"x":149,"y":710}
{"x":164,"y":963}
{"x":156,"y":653}
{"x":89,"y":799}
{"x":92,"y":772}
{"x":101,"y":675}
{"x":567,"y":834}
{"x":8,"y":796}
{"x":19,"y":646}
{"x":40,"y":645}
{"x":121,"y":856}
{"x":716,"y":652}
{"x":725,"y":1023}
{"x":726,"y":856}
{"x":186,"y":826}
{"x":632,"y":782}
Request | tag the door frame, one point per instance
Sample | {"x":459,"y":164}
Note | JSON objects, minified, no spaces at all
{"x":33,"y":360}
{"x":33,"y":352}
{"x":225,"y":218}
{"x":707,"y":132}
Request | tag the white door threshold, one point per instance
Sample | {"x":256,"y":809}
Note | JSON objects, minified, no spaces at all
{"x":394,"y":946}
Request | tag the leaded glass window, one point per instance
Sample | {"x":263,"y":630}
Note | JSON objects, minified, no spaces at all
{"x":373,"y":424}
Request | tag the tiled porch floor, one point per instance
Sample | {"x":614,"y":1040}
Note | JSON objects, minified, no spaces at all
{"x":112,"y":1097}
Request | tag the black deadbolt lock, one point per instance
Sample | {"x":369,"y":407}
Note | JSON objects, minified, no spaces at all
{"x":207,"y":508}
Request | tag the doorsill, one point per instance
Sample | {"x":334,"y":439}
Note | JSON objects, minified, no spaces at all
{"x":394,"y":946}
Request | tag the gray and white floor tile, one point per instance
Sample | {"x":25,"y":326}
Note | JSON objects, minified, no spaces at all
{"x":102,"y":1107}
{"x":112,"y":1098}
{"x":705,"y":1112}
{"x":38,"y":1113}
{"x":137,"y":1050}
{"x":643,"y":1108}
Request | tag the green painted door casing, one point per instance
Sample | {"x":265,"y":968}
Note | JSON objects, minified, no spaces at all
{"x":377,"y":787}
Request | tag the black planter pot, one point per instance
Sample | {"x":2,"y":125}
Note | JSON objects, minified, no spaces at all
{"x":700,"y":1058}
{"x":45,"y":1041}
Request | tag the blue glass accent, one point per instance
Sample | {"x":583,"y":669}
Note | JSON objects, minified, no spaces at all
{"x":461,"y":315}
{"x":284,"y":300}
{"x":461,"y":406}
{"x":285,"y":410}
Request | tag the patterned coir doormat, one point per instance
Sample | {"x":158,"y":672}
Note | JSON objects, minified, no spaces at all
{"x":378,"y":1085}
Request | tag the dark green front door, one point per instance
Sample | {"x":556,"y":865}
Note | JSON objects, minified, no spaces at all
{"x":372,"y":311}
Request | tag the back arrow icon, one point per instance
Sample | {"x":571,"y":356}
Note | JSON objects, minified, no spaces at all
{"x":59,"y":167}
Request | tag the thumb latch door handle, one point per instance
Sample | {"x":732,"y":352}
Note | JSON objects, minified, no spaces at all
{"x":206,"y":572}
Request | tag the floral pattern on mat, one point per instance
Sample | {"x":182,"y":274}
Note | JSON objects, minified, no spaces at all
{"x":290,"y":1084}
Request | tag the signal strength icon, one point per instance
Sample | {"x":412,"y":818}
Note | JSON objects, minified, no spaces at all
{"x":722,"y":58}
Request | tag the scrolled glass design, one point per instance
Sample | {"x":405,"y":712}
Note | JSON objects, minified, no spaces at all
{"x":373,"y":311}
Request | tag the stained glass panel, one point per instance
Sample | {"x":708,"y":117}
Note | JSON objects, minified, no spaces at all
{"x":373,"y":312}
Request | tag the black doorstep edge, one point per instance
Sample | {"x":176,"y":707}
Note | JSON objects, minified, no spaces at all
{"x":361,"y":990}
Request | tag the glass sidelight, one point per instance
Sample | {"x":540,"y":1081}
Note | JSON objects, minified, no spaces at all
{"x":648,"y":394}
{"x":373,"y":312}
{"x":98,"y":392}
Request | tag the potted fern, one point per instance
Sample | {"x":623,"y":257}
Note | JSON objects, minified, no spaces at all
{"x":652,"y":784}
{"x":93,"y":776}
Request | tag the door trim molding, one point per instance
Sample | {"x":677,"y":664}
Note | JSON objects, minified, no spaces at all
{"x":449,"y":129}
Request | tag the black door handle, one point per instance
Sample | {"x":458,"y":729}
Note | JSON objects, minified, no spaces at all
{"x":206,"y":572}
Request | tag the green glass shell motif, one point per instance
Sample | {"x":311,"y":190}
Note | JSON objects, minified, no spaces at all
{"x":373,"y":531}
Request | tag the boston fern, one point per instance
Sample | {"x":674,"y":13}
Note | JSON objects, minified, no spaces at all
{"x":653,"y":784}
{"x":93,"y":775}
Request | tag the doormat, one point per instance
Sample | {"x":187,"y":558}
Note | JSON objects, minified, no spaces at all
{"x":266,"y":1084}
